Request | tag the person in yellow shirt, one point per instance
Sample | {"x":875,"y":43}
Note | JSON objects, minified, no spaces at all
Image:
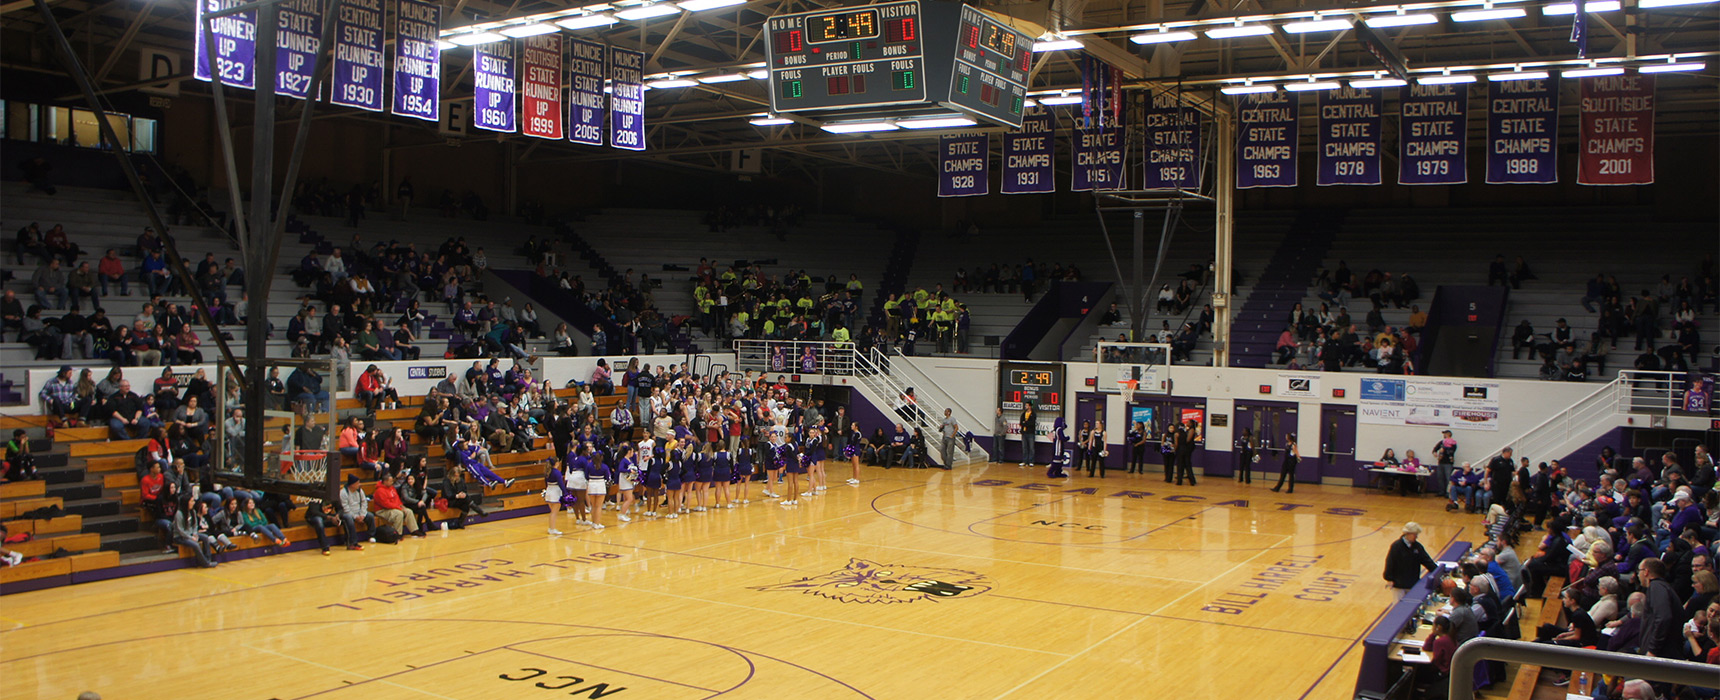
{"x":920,"y":295}
{"x":840,"y":336}
{"x":890,"y":315}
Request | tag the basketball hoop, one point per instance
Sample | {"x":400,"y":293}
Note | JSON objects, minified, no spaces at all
{"x":304,"y":466}
{"x":1129,"y":386}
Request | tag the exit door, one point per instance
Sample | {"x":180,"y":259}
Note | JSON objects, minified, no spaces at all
{"x":1273,"y":422}
{"x":1089,"y":410}
{"x":1338,"y":444}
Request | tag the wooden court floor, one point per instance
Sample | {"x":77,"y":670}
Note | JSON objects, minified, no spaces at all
{"x":992,"y":582}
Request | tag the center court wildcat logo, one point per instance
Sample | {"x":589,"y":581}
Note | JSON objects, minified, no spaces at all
{"x":865,"y":581}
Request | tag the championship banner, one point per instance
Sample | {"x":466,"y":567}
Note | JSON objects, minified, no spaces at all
{"x":235,"y":44}
{"x":1173,"y":144}
{"x":1098,"y":160}
{"x":358,"y":55}
{"x":964,"y":165}
{"x":1433,"y":134}
{"x":1459,"y":404}
{"x":493,"y":92}
{"x":1349,"y":137}
{"x":1027,"y":167}
{"x":585,"y":93}
{"x":1523,"y":132}
{"x":627,"y":99}
{"x":297,"y":40}
{"x":540,"y":86}
{"x":1618,"y":131}
{"x":1266,"y":139}
{"x":417,"y":61}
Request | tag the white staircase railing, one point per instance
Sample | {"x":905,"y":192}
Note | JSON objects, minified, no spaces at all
{"x":926,"y":387}
{"x":1631,"y":392}
{"x":875,"y":374}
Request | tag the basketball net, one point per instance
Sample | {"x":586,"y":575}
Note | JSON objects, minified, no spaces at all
{"x":1129,"y":386}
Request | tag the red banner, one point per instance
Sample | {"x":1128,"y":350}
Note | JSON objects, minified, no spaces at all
{"x":540,"y":87}
{"x":1618,"y":131}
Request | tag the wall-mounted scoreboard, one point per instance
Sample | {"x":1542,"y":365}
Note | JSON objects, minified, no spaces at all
{"x":899,"y":53}
{"x":1038,"y":383}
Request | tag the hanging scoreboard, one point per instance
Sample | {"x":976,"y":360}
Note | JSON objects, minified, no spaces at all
{"x":1038,"y":383}
{"x":858,"y":57}
{"x":899,"y":53}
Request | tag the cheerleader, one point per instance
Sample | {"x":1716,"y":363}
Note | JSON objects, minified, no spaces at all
{"x":722,"y":471}
{"x":852,"y":450}
{"x":704,"y":470}
{"x":596,"y":487}
{"x":672,"y":479}
{"x":651,"y":479}
{"x":554,"y":487}
{"x":472,"y":455}
{"x":796,"y":461}
{"x":691,"y":457}
{"x":776,"y":451}
{"x":626,"y":472}
{"x":741,"y":479}
{"x":816,"y":452}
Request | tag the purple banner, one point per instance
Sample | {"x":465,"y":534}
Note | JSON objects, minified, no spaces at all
{"x":964,"y":165}
{"x":358,"y":55}
{"x":1350,"y":142}
{"x":1433,"y":134}
{"x":1173,"y":144}
{"x":809,"y":360}
{"x":1523,"y":132}
{"x":235,"y":44}
{"x":585,"y":93}
{"x":1699,"y":393}
{"x":1266,"y":139}
{"x":626,"y":99}
{"x":296,"y":42}
{"x":1027,"y":167}
{"x":1098,"y":160}
{"x":493,"y":103}
{"x":417,"y":61}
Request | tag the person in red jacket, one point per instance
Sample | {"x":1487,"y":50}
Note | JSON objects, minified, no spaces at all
{"x":112,"y":269}
{"x":385,"y":500}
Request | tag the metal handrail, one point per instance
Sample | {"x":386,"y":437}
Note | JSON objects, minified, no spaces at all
{"x":1609,"y":662}
{"x":921,"y":379}
{"x":1559,"y":424}
{"x":1652,"y":393}
{"x":875,"y":376}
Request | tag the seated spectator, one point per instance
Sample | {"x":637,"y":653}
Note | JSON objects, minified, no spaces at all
{"x":256,"y":524}
{"x":29,"y":242}
{"x":126,"y":422}
{"x":305,"y":386}
{"x":464,"y":496}
{"x":49,"y":283}
{"x":191,"y":529}
{"x":391,"y":511}
{"x":59,"y":396}
{"x":59,"y":246}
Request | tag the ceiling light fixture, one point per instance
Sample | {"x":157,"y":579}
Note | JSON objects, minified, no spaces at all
{"x":1517,"y":75}
{"x":476,"y":38}
{"x":1377,"y":83}
{"x":1248,"y":88}
{"x":586,"y":21}
{"x":1055,"y":45}
{"x":1317,"y":25}
{"x":1488,"y":14}
{"x":858,"y":127}
{"x":1671,"y":67}
{"x":1446,"y":79}
{"x":1592,"y":72}
{"x":948,"y":122}
{"x":1239,"y":30}
{"x":768,"y":120}
{"x":1312,"y":85}
{"x":647,"y":11}
{"x":521,"y":31}
{"x":1401,"y":20}
{"x":1570,"y":8}
{"x":1054,"y":100}
{"x":1162,"y":36}
{"x":671,"y":83}
{"x":702,"y":5}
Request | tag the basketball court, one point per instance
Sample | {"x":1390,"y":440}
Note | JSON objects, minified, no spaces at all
{"x":989,"y":582}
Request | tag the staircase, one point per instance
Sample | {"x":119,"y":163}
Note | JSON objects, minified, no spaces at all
{"x":1257,"y":323}
{"x":882,"y":378}
{"x":896,"y":270}
{"x":1569,"y":433}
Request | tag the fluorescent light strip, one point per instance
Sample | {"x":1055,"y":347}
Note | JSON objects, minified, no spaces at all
{"x":702,"y":5}
{"x":1592,"y":72}
{"x":444,"y":45}
{"x":758,"y":74}
{"x":1062,"y":100}
{"x":935,"y":123}
{"x":1669,"y":67}
{"x":1239,"y":30}
{"x":725,"y":78}
{"x":1055,"y":45}
{"x":1384,"y":21}
{"x":1161,"y":37}
{"x":1377,"y":83}
{"x":769,"y":121}
{"x":858,"y":127}
{"x":1650,"y":4}
{"x":476,"y":38}
{"x":586,"y":21}
{"x":647,"y":11}
{"x":1305,"y":87}
{"x":1248,"y":89}
{"x":672,"y":83}
{"x":1520,"y":75}
{"x":521,"y":31}
{"x":1445,"y":79}
{"x":1485,"y":15}
{"x":1570,"y":8}
{"x":1317,"y":25}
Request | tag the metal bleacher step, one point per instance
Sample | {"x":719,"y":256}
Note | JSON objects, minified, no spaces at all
{"x":112,"y":524}
{"x":92,"y":507}
{"x":59,"y":474}
{"x":75,"y":491}
{"x":131,"y":543}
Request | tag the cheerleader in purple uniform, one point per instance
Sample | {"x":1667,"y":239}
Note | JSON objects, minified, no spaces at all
{"x":818,"y":448}
{"x":797,"y":462}
{"x":703,"y":470}
{"x":851,"y":451}
{"x":741,"y":479}
{"x":722,"y":470}
{"x":651,"y":479}
{"x":555,"y":484}
{"x":626,"y":474}
{"x":776,"y":453}
{"x":672,"y":480}
{"x":573,"y":481}
{"x":689,"y":475}
{"x":596,"y":487}
{"x":474,"y":457}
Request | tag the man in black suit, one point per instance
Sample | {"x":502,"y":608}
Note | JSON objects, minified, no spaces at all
{"x":1499,"y":469}
{"x":1406,"y":560}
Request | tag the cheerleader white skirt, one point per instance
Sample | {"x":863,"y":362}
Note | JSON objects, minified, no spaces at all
{"x":552,"y":493}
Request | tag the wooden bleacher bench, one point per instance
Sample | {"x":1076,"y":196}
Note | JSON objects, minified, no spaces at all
{"x":105,"y":448}
{"x":47,"y":526}
{"x":1528,"y":676}
{"x":24,"y":489}
{"x":81,"y":434}
{"x":11,"y":509}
